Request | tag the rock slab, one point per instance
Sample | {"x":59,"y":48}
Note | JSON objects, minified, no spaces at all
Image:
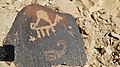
{"x":43,"y":37}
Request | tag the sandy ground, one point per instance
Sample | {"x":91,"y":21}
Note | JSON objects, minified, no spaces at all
{"x":98,"y":20}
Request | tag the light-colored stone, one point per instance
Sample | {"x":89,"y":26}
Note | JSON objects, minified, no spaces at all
{"x":66,"y":6}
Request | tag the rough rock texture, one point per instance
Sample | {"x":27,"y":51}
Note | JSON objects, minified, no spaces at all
{"x":43,"y":37}
{"x":97,"y":19}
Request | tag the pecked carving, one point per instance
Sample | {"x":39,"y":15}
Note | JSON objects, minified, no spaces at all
{"x":54,"y":54}
{"x":43,"y":15}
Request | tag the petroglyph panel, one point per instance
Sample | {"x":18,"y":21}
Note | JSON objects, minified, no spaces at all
{"x":43,"y":37}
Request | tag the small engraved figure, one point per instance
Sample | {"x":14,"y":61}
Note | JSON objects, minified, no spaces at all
{"x":54,"y":54}
{"x":43,"y":15}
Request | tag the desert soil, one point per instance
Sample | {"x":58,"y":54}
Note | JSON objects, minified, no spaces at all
{"x":98,"y":20}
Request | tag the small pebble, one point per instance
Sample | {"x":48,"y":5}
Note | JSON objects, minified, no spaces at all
{"x":118,"y":47}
